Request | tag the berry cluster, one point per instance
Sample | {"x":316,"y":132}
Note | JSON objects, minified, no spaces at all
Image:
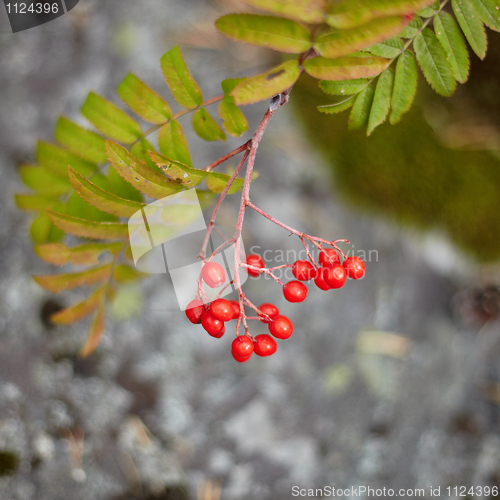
{"x":330,"y":273}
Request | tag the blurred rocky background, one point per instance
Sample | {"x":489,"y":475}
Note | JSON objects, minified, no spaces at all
{"x":392,"y":381}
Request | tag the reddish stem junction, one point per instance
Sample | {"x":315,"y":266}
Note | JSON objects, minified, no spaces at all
{"x":250,"y":150}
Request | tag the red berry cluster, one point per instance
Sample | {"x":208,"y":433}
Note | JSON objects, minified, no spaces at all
{"x":329,"y":274}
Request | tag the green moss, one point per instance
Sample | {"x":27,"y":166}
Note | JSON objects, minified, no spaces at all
{"x":403,"y":172}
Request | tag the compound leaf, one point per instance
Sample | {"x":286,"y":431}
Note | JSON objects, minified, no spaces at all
{"x":185,"y":175}
{"x":345,"y":42}
{"x":389,"y":49}
{"x":206,"y":127}
{"x":489,"y":12}
{"x":143,"y":100}
{"x":173,"y":143}
{"x":405,"y":86}
{"x":80,"y":310}
{"x":234,"y":120}
{"x":182,"y":85}
{"x":101,"y":199}
{"x":338,"y":107}
{"x":343,"y":87}
{"x":381,"y":100}
{"x":361,"y":109}
{"x":83,"y":143}
{"x":412,"y":30}
{"x":451,"y":39}
{"x":432,"y":60}
{"x":471,"y":25}
{"x":110,"y":120}
{"x":348,"y":14}
{"x":271,"y":32}
{"x":56,"y":160}
{"x":307,"y":11}
{"x":266,"y":85}
{"x":60,"y":254}
{"x":345,"y":68}
{"x":56,"y":283}
{"x":87,"y":228}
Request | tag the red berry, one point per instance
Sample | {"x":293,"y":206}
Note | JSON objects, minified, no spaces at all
{"x":241,"y":359}
{"x":281,"y":327}
{"x":295,"y":291}
{"x":194,"y":310}
{"x":212,"y":325}
{"x":265,"y":345}
{"x":271,"y":310}
{"x":303,"y":270}
{"x":222,"y":309}
{"x":335,"y":276}
{"x":242,"y":347}
{"x":256,"y":261}
{"x":329,"y":257}
{"x":354,"y":267}
{"x":213,"y":274}
{"x":236,"y":308}
{"x":319,"y":279}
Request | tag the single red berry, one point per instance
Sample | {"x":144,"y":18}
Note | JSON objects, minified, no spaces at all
{"x":303,"y":270}
{"x":241,"y":359}
{"x":281,"y":327}
{"x":271,"y":310}
{"x":213,"y":274}
{"x":236,"y":308}
{"x":194,"y":310}
{"x":335,"y":276}
{"x":319,"y":279}
{"x":295,"y":291}
{"x":328,"y":257}
{"x":212,"y":325}
{"x":220,"y":334}
{"x":354,"y":267}
{"x":222,"y":309}
{"x":264,"y":345}
{"x":242,"y":346}
{"x":256,"y":261}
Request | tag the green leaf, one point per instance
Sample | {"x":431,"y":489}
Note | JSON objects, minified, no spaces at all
{"x":345,"y":42}
{"x":120,"y":187}
{"x":338,"y":107}
{"x":89,"y":229}
{"x":267,"y":85}
{"x":266,"y":31}
{"x":56,"y":160}
{"x":60,"y":254}
{"x":216,"y":182}
{"x":432,"y":60}
{"x":205,"y":197}
{"x":234,"y":120}
{"x":471,"y":25}
{"x":173,"y":143}
{"x":343,"y":87}
{"x":139,"y":174}
{"x":348,"y":14}
{"x":412,"y":30}
{"x":450,"y":38}
{"x":184,"y":174}
{"x":110,"y":120}
{"x":101,"y":199}
{"x":381,"y":100}
{"x":39,"y":179}
{"x":84,"y":143}
{"x":389,"y":49}
{"x":345,"y":68}
{"x":95,"y":332}
{"x":206,"y":127}
{"x":143,"y":100}
{"x":405,"y":86}
{"x":182,"y":85}
{"x":56,"y":283}
{"x":141,"y":152}
{"x":228,"y":86}
{"x":80,"y":310}
{"x":307,"y":11}
{"x":431,"y":10}
{"x":35,"y":202}
{"x":489,"y":12}
{"x":361,"y":109}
